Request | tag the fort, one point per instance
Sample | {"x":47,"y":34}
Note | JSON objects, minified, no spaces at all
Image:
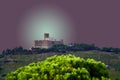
{"x":47,"y":42}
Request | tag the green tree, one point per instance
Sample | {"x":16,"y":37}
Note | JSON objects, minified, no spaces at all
{"x":64,"y":67}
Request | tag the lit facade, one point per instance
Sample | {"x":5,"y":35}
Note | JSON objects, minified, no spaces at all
{"x":47,"y":42}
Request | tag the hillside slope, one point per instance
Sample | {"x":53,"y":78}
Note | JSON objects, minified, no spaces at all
{"x":12,"y":62}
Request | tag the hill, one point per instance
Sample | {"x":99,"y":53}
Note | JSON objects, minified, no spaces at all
{"x":12,"y":62}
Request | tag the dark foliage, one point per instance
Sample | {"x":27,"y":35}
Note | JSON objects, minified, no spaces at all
{"x":17,"y":50}
{"x":111,"y":49}
{"x":61,"y":48}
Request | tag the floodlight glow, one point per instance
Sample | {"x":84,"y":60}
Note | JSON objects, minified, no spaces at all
{"x":45,"y":20}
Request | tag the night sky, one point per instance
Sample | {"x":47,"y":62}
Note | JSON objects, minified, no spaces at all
{"x":93,"y":21}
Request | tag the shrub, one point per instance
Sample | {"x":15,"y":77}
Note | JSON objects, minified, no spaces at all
{"x":64,"y":67}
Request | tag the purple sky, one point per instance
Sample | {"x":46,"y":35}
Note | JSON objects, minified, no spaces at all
{"x":94,"y":21}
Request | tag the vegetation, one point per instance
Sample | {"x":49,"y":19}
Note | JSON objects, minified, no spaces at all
{"x":17,"y":50}
{"x":61,"y":48}
{"x":12,"y":62}
{"x":12,"y":59}
{"x":64,"y":67}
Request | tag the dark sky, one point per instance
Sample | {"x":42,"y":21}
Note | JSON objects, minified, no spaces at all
{"x":94,"y":21}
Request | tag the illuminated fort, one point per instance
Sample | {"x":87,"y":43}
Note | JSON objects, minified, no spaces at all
{"x":47,"y":42}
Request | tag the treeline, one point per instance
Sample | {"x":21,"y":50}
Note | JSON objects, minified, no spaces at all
{"x":111,"y":49}
{"x":73,"y":47}
{"x":76,"y":47}
{"x":16,"y":50}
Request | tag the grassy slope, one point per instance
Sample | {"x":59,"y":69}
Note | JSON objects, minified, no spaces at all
{"x":113,"y":60}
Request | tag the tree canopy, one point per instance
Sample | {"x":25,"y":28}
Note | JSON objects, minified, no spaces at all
{"x":64,"y":67}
